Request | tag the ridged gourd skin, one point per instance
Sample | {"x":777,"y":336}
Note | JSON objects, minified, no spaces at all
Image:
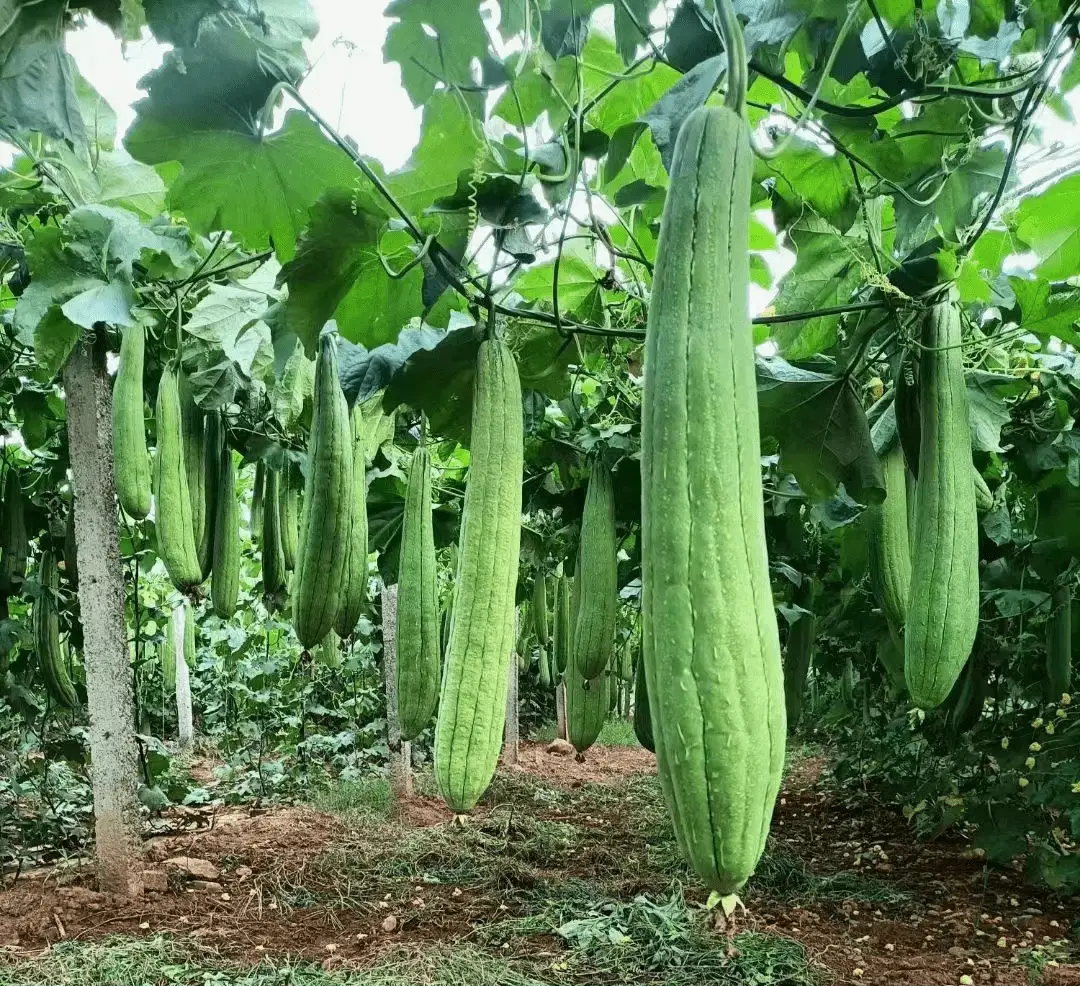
{"x":176,"y":544}
{"x":257,"y":501}
{"x":355,"y":578}
{"x":131,"y":460}
{"x":418,"y":667}
{"x":168,"y":664}
{"x":15,"y":547}
{"x":587,"y":706}
{"x":194,"y":423}
{"x":544,"y":667}
{"x":597,"y":589}
{"x":560,"y":630}
{"x":943,"y":606}
{"x":540,"y":610}
{"x":225,"y":582}
{"x":273,"y":557}
{"x":710,"y":640}
{"x":327,"y":513}
{"x":1059,"y":644}
{"x":46,"y":618}
{"x":642,"y":714}
{"x":215,"y":438}
{"x":328,"y":653}
{"x":472,"y":707}
{"x":288,"y":505}
{"x":889,"y":543}
{"x":800,"y":650}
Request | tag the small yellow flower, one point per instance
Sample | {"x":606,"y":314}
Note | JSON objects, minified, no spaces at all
{"x":1065,"y":699}
{"x":1029,"y":763}
{"x":1004,"y":743}
{"x":1061,"y":714}
{"x":1024,"y":783}
{"x":1076,"y":787}
{"x":1050,"y":729}
{"x":1036,"y":747}
{"x":1037,"y":722}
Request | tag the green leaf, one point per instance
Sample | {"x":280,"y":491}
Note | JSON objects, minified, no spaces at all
{"x":578,"y":276}
{"x":224,"y":312}
{"x":438,"y":380}
{"x":435,"y":42}
{"x":628,"y":38}
{"x":806,"y":177}
{"x":821,"y":427}
{"x":827,"y":270}
{"x":259,"y":188}
{"x":37,"y":76}
{"x":365,"y":372}
{"x":226,"y":61}
{"x":964,"y":196}
{"x":336,"y":274}
{"x":215,"y":386}
{"x":1049,"y":223}
{"x":987,"y":413}
{"x":1047,"y":312}
{"x":666,"y":116}
{"x":294,"y":387}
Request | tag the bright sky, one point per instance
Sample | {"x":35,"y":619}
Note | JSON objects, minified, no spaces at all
{"x":350,"y":85}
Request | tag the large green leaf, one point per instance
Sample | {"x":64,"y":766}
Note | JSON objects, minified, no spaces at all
{"x":82,"y":274}
{"x":1049,"y":223}
{"x":449,"y":141}
{"x":260,"y":188}
{"x":337,"y":274}
{"x":578,"y":277}
{"x":227,"y":61}
{"x":807,"y":177}
{"x":1047,"y":312}
{"x":37,"y":76}
{"x":821,"y":427}
{"x":435,"y":42}
{"x":827,"y":269}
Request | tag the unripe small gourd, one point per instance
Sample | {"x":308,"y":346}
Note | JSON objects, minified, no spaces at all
{"x":355,"y":575}
{"x":46,"y":618}
{"x":14,"y":546}
{"x":131,"y":460}
{"x":587,"y":706}
{"x":273,"y":558}
{"x":327,"y":509}
{"x":943,"y":605}
{"x":225,"y":584}
{"x":195,"y":452}
{"x":176,"y":544}
{"x":418,"y":668}
{"x":596,"y":586}
{"x":472,"y":709}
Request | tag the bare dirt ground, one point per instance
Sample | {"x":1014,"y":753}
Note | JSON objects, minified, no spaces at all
{"x":868,"y":903}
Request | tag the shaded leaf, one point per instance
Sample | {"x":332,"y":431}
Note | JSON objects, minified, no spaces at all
{"x":821,"y":427}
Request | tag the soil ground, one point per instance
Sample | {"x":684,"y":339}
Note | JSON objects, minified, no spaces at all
{"x":567,"y":873}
